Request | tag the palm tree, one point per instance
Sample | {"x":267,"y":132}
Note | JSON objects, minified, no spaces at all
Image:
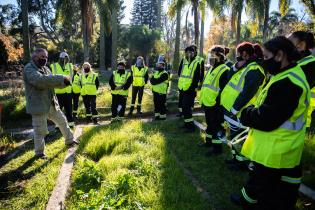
{"x":25,"y":26}
{"x":280,"y":22}
{"x":310,"y":5}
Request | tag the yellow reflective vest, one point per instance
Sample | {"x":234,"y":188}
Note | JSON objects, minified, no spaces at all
{"x":67,"y":71}
{"x":163,"y":86}
{"x":88,"y":83}
{"x":302,"y":62}
{"x":187,"y":74}
{"x":76,"y":83}
{"x":138,"y":76}
{"x":211,"y":85}
{"x":236,"y":84}
{"x":282,"y":147}
{"x":120,"y":80}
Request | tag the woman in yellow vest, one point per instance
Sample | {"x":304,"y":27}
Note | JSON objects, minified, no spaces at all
{"x":241,"y":91}
{"x":90,"y":84}
{"x":276,"y":138}
{"x":215,"y":80}
{"x":304,"y":42}
{"x":76,"y":90}
{"x":64,"y":95}
{"x":159,"y":82}
{"x":120,"y":82}
{"x":140,"y":78}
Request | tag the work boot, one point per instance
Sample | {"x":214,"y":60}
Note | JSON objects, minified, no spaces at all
{"x":180,"y":114}
{"x":238,"y":166}
{"x":88,"y":119}
{"x":130,"y":111}
{"x":95,"y":121}
{"x":139,"y":110}
{"x":189,"y":128}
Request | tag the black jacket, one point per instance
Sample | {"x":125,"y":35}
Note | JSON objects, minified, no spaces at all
{"x":309,"y":70}
{"x":279,"y":105}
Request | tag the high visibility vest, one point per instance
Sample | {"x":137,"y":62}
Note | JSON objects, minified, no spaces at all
{"x":236,"y":84}
{"x":67,"y":71}
{"x":211,"y":85}
{"x":187,"y":74}
{"x":163,"y":86}
{"x":200,"y":59}
{"x":76,"y":83}
{"x":120,"y":80}
{"x":138,"y":76}
{"x":88,"y":84}
{"x":282,"y":147}
{"x":304,"y":61}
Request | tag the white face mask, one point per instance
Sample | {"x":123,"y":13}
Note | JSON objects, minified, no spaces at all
{"x":139,"y":62}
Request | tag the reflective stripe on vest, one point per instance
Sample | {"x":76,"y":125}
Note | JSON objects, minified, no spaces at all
{"x":187,"y":74}
{"x":88,"y":84}
{"x":211,"y":87}
{"x":285,"y":144}
{"x":76,"y":85}
{"x":163,"y":86}
{"x":57,"y":70}
{"x":120,"y":80}
{"x":138,"y":76}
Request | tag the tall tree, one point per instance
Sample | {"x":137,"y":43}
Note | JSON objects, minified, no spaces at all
{"x":114,"y":37}
{"x":26,"y":38}
{"x":310,"y":5}
{"x":146,"y":12}
{"x":87,"y":26}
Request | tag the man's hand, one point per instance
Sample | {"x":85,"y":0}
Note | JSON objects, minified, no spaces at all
{"x":67,"y":80}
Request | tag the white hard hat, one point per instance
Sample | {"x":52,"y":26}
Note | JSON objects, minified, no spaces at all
{"x":63,"y":55}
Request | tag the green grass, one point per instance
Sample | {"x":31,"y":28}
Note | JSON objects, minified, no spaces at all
{"x":129,"y":166}
{"x":27,"y":182}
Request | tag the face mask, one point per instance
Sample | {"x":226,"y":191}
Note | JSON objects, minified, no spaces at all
{"x":212,"y":61}
{"x":120,"y":69}
{"x":86,"y":70}
{"x":41,"y":62}
{"x":272,"y":66}
{"x":139,"y":63}
{"x":239,"y":58}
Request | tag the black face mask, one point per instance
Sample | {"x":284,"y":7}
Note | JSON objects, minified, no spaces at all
{"x":239,"y":58}
{"x":41,"y":62}
{"x":87,"y":70}
{"x":272,"y":66}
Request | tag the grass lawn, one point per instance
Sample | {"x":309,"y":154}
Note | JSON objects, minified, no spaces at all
{"x":130,"y":166}
{"x":27,"y":182}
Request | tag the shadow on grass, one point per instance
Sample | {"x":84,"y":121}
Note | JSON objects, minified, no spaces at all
{"x":6,"y":179}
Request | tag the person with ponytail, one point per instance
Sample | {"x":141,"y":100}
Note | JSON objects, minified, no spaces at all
{"x":304,"y":42}
{"x":275,"y":141}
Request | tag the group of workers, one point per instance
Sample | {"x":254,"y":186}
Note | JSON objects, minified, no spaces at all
{"x":270,"y":90}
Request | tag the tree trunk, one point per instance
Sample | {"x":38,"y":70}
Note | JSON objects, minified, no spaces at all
{"x":26,"y":36}
{"x":196,"y":21}
{"x":233,"y":28}
{"x":102,"y":45}
{"x":177,"y":38}
{"x":114,"y":38}
{"x":87,"y":26}
{"x":239,"y":25}
{"x":202,"y":34}
{"x":159,"y":14}
{"x":186,"y":29}
{"x":266,"y":19}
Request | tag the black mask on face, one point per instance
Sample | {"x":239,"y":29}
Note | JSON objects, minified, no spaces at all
{"x":86,"y":70}
{"x":239,"y":58}
{"x":41,"y":62}
{"x":272,"y":66}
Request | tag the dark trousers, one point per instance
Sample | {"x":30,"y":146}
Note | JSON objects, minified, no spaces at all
{"x":159,"y":105}
{"x":214,"y":120}
{"x":136,"y":91}
{"x":188,"y":101}
{"x":118,"y":100}
{"x":65,"y":103}
{"x":270,"y":189}
{"x":180,"y":101}
{"x":90,"y":106}
{"x":75,"y":99}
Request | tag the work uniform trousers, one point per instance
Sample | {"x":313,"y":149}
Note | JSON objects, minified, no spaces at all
{"x":118,"y":105}
{"x":159,"y":105}
{"x":136,"y":91}
{"x":270,"y":188}
{"x":214,"y":119}
{"x":187,"y":103}
{"x":39,"y":123}
{"x":90,"y":106}
{"x":75,"y":99}
{"x":65,"y":103}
